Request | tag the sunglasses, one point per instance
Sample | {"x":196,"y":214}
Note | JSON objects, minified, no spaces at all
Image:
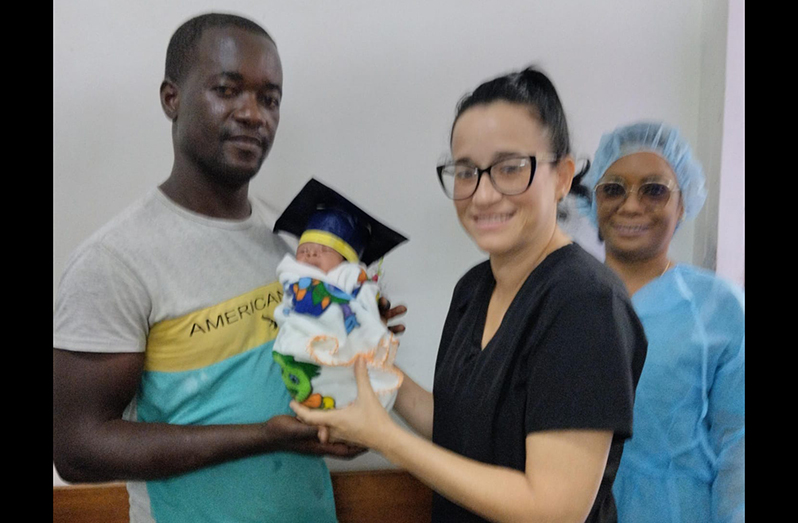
{"x":651,"y":195}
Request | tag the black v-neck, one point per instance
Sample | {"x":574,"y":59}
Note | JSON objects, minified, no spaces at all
{"x":486,"y":289}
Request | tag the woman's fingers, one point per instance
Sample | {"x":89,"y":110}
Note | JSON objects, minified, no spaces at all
{"x":324,"y":434}
{"x":303,"y":413}
{"x":362,"y":376}
{"x":365,"y":391}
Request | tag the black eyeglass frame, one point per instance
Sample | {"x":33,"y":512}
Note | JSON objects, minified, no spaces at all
{"x":534,"y":160}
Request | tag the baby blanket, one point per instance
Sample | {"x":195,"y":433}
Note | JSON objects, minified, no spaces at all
{"x":326,"y":321}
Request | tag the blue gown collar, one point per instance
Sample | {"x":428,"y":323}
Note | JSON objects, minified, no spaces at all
{"x":663,"y":293}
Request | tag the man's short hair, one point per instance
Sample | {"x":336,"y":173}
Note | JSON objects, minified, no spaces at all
{"x":180,"y":54}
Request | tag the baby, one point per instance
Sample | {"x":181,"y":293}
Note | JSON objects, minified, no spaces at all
{"x":329,"y":315}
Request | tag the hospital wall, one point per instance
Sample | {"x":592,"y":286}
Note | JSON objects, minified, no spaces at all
{"x":369,"y":94}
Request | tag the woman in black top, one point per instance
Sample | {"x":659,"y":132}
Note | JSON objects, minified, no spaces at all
{"x":541,"y":350}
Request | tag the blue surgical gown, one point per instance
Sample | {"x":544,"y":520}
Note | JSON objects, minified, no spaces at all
{"x":685,"y":461}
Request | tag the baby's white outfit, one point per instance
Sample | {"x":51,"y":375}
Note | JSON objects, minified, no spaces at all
{"x":326,"y":321}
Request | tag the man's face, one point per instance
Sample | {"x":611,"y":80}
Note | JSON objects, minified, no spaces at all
{"x":229,"y":105}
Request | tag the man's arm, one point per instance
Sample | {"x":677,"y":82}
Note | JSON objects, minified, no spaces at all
{"x":92,"y":443}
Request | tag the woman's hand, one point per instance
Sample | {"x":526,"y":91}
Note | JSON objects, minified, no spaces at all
{"x":364,"y":423}
{"x":291,"y":435}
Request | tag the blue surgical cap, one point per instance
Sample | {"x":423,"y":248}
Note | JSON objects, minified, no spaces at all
{"x":656,"y":137}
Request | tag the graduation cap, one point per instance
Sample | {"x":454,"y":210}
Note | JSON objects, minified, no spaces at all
{"x":318,"y":214}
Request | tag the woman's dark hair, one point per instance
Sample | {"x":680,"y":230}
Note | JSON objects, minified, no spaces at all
{"x":180,"y":53}
{"x":531,"y":88}
{"x":577,"y":188}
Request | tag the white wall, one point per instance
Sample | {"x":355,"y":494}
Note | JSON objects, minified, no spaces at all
{"x":370,"y":89}
{"x":731,"y":197}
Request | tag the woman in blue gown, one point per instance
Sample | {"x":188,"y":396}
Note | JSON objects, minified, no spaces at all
{"x":685,"y":461}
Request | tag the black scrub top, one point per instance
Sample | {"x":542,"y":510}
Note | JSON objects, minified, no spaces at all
{"x":567,"y":355}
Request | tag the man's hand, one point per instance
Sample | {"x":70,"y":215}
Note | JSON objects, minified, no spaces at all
{"x":292,"y":435}
{"x":387,"y":313}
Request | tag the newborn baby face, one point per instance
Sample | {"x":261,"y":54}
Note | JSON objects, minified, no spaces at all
{"x":321,"y":256}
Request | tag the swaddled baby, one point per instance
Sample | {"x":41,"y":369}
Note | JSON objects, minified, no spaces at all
{"x":329,"y":314}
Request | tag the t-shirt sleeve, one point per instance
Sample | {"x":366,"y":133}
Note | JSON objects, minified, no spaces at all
{"x":587,"y":366}
{"x":100,"y":306}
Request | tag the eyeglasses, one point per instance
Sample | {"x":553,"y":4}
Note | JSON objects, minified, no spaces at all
{"x":510,"y":176}
{"x":651,"y":195}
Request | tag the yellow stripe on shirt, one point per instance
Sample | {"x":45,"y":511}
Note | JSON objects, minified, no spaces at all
{"x":208,"y":336}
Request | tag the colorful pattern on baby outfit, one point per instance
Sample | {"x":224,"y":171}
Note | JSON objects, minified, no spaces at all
{"x":297,"y":376}
{"x":313,"y":296}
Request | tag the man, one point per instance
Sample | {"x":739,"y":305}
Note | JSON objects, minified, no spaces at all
{"x":162,"y":333}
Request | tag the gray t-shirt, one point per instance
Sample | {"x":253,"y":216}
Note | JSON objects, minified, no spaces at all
{"x":197,"y":295}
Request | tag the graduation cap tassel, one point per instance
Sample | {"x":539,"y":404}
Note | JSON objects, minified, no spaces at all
{"x":377,"y":274}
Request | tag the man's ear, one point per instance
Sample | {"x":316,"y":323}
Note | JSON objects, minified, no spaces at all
{"x":170,"y":99}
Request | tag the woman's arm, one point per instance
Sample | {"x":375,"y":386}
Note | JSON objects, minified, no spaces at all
{"x":726,"y":415}
{"x":563,"y":468}
{"x":563,"y":474}
{"x":413,"y":402}
{"x":415,"y":405}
